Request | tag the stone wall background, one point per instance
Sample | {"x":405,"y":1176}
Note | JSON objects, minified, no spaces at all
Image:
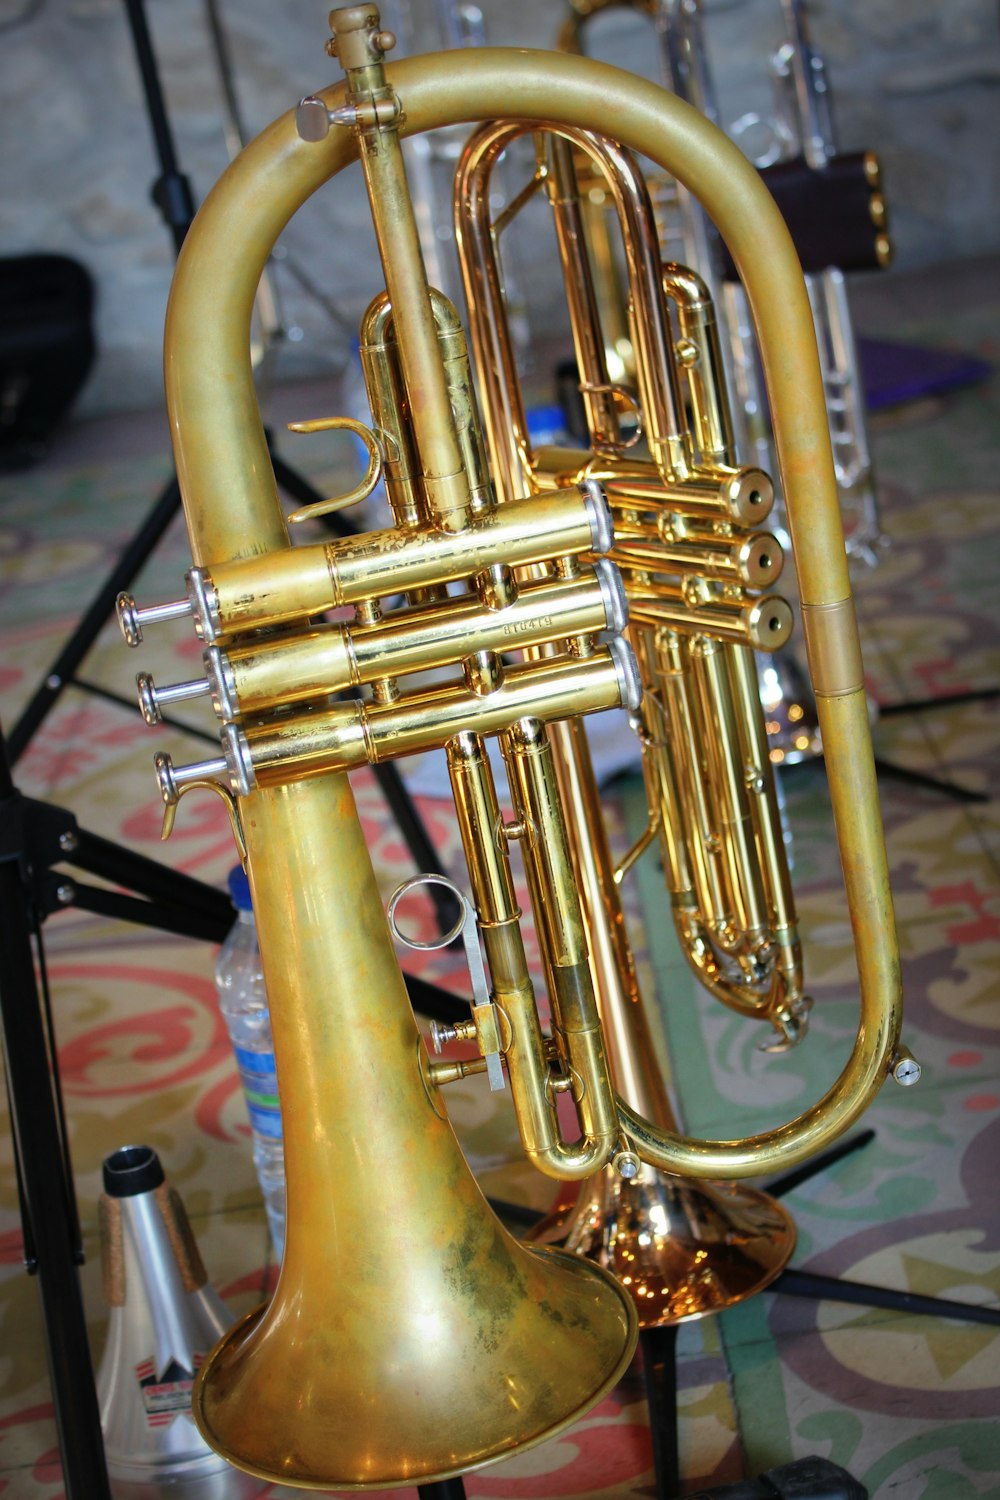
{"x":917,"y":80}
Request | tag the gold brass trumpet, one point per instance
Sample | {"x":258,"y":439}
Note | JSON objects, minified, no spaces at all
{"x":417,"y":1340}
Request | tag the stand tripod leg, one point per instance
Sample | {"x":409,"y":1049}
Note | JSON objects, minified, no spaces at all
{"x":659,"y":1370}
{"x":809,"y":1284}
{"x":49,"y":1219}
{"x":795,"y":1283}
{"x":779,"y":1186}
{"x":930,"y":783}
{"x":946,"y":700}
{"x":442,"y":1489}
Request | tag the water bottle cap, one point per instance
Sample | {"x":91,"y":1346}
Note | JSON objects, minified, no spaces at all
{"x":239,"y":889}
{"x":131,"y":1170}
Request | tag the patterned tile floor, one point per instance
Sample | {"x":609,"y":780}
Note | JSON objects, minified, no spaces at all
{"x":908,"y":1404}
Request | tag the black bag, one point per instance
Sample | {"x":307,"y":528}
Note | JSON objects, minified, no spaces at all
{"x":836,"y":213}
{"x":807,"y":1479}
{"x":46,"y":349}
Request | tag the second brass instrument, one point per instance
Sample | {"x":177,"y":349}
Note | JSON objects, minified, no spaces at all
{"x":410,"y":1338}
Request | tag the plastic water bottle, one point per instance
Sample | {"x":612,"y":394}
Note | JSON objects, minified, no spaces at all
{"x":243,"y":1002}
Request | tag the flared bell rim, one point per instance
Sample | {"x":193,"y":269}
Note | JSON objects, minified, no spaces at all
{"x":721,"y":1271}
{"x":245,"y":1326}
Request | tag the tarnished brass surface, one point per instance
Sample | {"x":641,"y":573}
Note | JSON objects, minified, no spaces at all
{"x":290,"y":584}
{"x":223,"y":465}
{"x":420,"y":1340}
{"x":835,"y":664}
{"x":320,"y":1391}
{"x":274,"y":672}
{"x":354,"y":733}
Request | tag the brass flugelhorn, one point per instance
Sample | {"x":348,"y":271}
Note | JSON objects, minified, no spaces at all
{"x":409,"y":1337}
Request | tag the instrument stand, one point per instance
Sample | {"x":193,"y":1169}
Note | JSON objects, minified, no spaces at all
{"x":172,"y":194}
{"x":53,"y":1248}
{"x":659,"y":1345}
{"x":924,"y":705}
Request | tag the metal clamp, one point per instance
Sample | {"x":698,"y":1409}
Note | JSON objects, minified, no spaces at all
{"x":313,"y":119}
{"x":484,"y":1013}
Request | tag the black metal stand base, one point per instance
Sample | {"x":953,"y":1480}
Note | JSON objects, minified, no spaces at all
{"x":442,"y":1489}
{"x":925,"y":705}
{"x":658,"y":1348}
{"x":53,"y":1247}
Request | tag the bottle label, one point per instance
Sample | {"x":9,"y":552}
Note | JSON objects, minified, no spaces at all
{"x":261,"y":1089}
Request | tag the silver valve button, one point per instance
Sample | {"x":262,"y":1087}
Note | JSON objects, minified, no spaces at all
{"x":131,"y":618}
{"x":152,"y":699}
{"x":173,"y":778}
{"x":200,"y":604}
{"x":218,"y":682}
{"x":234,"y":766}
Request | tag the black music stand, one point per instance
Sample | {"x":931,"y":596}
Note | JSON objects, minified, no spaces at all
{"x":173,"y":196}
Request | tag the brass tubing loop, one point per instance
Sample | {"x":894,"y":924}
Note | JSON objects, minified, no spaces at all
{"x":727,"y":805}
{"x":424,"y":1341}
{"x":807,"y":471}
{"x":224,"y":470}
